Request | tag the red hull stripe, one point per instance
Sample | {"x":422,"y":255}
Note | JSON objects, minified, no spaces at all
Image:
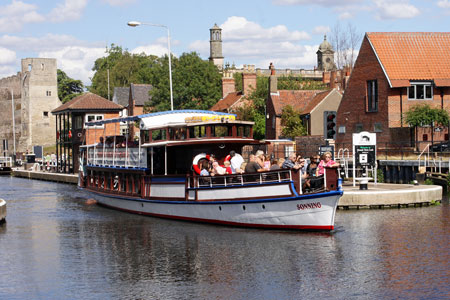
{"x":273,"y":226}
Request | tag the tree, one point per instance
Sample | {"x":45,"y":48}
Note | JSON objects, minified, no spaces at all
{"x":196,"y":83}
{"x":345,"y":42}
{"x":124,"y":68}
{"x":68,"y":88}
{"x":291,"y":122}
{"x":423,"y":114}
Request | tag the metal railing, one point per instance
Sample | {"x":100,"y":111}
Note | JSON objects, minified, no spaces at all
{"x":240,"y":179}
{"x":6,"y":161}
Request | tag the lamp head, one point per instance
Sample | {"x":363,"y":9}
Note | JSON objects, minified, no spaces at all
{"x":134,"y":23}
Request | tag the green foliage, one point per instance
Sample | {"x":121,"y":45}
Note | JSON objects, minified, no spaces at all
{"x":196,"y":83}
{"x":424,"y":114}
{"x":68,"y":88}
{"x":238,"y":81}
{"x":380,"y":176}
{"x":124,"y":68}
{"x":291,"y":122}
{"x":428,"y":181}
{"x":299,"y":83}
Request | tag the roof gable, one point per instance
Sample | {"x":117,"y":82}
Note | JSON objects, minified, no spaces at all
{"x":88,"y":102}
{"x":298,"y":99}
{"x":121,"y":96}
{"x":316,"y":100}
{"x":227,"y":102}
{"x":140,"y":93}
{"x":406,"y":56}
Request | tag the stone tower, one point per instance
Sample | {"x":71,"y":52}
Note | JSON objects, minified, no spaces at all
{"x":325,"y":56}
{"x":215,"y":46}
{"x":39,"y":93}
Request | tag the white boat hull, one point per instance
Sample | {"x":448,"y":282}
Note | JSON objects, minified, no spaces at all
{"x":308,"y":212}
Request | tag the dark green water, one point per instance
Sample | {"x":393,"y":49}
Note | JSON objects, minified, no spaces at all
{"x":54,"y":246}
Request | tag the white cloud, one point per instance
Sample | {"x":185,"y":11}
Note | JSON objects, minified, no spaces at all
{"x":443,"y":3}
{"x":76,"y":61}
{"x":325,"y":3}
{"x":68,"y":11}
{"x":119,"y":2}
{"x":7,"y":56}
{"x":321,"y":29}
{"x":47,"y":42}
{"x":246,"y":42}
{"x":345,"y":15}
{"x":239,"y":28}
{"x":15,"y":15}
{"x":395,"y":10}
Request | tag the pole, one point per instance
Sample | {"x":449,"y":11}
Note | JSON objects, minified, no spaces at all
{"x":170,"y":69}
{"x":14,"y":123}
{"x":136,"y":23}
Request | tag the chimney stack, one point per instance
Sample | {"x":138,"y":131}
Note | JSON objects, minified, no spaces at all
{"x":228,"y":85}
{"x":273,"y":81}
{"x":248,"y":82}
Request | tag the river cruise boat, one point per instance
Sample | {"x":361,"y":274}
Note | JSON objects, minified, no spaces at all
{"x":157,"y":174}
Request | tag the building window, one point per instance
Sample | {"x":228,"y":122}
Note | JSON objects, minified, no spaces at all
{"x":49,"y":93}
{"x":45,"y":114}
{"x":372,"y":96}
{"x":91,"y":118}
{"x":77,"y":122}
{"x":359,"y":128}
{"x":377,"y":127}
{"x":274,"y":119}
{"x":420,"y":91}
{"x":425,"y":137}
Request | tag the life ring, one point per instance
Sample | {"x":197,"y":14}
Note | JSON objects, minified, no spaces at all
{"x":197,"y":158}
{"x":228,"y":157}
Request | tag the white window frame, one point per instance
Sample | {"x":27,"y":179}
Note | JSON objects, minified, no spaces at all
{"x":97,"y":117}
{"x":425,"y":84}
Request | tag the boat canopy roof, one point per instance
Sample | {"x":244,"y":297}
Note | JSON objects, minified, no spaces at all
{"x":171,"y":118}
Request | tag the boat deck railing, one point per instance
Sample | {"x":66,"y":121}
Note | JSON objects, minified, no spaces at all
{"x":5,"y":161}
{"x":118,"y":157}
{"x":240,"y":179}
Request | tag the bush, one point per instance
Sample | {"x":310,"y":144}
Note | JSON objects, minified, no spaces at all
{"x":428,"y":181}
{"x":380,"y":175}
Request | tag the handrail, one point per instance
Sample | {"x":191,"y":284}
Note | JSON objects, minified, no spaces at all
{"x":6,"y":161}
{"x":426,"y":158}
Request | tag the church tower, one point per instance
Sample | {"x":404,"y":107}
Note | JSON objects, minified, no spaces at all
{"x":325,"y":56}
{"x":215,"y":43}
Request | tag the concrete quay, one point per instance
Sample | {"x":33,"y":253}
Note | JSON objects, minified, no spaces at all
{"x":384,"y":195}
{"x":376,"y":196}
{"x":2,"y":211}
{"x":47,"y":176}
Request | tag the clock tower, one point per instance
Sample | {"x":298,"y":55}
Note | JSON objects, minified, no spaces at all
{"x":215,"y":46}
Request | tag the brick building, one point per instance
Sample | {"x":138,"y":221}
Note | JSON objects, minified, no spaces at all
{"x":393,"y":72}
{"x":70,"y":126}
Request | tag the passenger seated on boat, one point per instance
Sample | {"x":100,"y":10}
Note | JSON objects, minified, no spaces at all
{"x":212,"y":159}
{"x":275,"y":165}
{"x":227,"y":166}
{"x":204,"y":166}
{"x":242,"y":168}
{"x":326,"y":162}
{"x":260,"y":158}
{"x":218,"y":170}
{"x":253,"y":166}
{"x":236,"y":161}
{"x":108,"y":143}
{"x":290,"y":163}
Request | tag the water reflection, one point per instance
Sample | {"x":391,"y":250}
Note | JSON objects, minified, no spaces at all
{"x":55,"y":246}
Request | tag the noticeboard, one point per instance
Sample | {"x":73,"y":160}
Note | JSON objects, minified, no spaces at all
{"x":365,"y":155}
{"x":323,"y":149}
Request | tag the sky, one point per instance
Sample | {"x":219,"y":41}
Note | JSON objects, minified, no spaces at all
{"x":254,"y":32}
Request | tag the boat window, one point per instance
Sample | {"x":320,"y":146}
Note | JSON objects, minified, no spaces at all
{"x":123,"y":183}
{"x":145,"y":136}
{"x":220,"y":131}
{"x":197,"y":132}
{"x":158,"y":134}
{"x":108,"y":181}
{"x":240,"y":131}
{"x":246,"y":131}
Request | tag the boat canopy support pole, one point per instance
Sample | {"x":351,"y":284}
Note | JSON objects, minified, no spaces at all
{"x":151,"y":160}
{"x":165,"y":160}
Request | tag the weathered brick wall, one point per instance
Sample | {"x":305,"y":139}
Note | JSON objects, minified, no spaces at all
{"x":308,"y":146}
{"x":352,"y":110}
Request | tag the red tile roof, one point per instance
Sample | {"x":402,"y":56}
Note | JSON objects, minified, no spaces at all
{"x":315,"y":101}
{"x":298,"y":99}
{"x":88,"y":102}
{"x":227,"y":102}
{"x":409,"y":56}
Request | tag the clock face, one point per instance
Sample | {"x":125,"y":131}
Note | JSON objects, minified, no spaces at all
{"x":328,"y":59}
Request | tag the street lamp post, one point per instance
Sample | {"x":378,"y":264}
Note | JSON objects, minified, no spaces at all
{"x":135,"y":24}
{"x":13,"y":119}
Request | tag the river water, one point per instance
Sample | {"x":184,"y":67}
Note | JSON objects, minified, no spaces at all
{"x":55,"y":246}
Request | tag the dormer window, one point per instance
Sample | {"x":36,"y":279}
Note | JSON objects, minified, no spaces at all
{"x":420,"y":91}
